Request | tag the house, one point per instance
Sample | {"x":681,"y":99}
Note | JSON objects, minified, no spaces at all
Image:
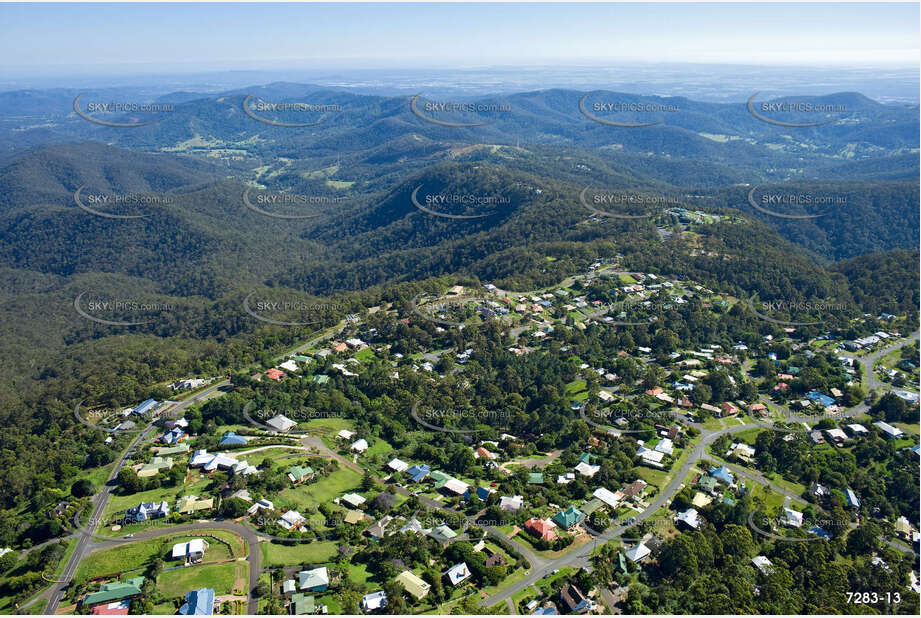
{"x":289,"y":365}
{"x":721,"y":474}
{"x":458,"y":573}
{"x":742,"y":451}
{"x":484,"y":453}
{"x":443,"y":534}
{"x":155,"y":466}
{"x":638,"y":552}
{"x":635,"y":489}
{"x":857,"y":429}
{"x":313,"y":580}
{"x":483,"y":493}
{"x":262,"y":503}
{"x":574,"y":600}
{"x":190,"y":504}
{"x":419,"y":472}
{"x":757,"y":408}
{"x":397,"y":465}
{"x":146,"y":406}
{"x":690,"y":518}
{"x":816,"y":437}
{"x":569,"y":518}
{"x":299,"y":474}
{"x":354,"y":517}
{"x":709,"y":484}
{"x":413,"y":584}
{"x":792,"y":518}
{"x":280,"y":422}
{"x":146,"y":510}
{"x":115,"y":591}
{"x":292,"y":520}
{"x":852,"y":500}
{"x":353,"y":500}
{"x":276,"y":374}
{"x":763,"y":564}
{"x":173,"y":436}
{"x":360,"y":445}
{"x":378,"y":529}
{"x":586,"y":469}
{"x":665,"y":446}
{"x":888,"y":430}
{"x":232,"y":439}
{"x":650,"y":457}
{"x":541,"y":528}
{"x":190,"y":551}
{"x":836,"y":435}
{"x":607,"y":496}
{"x":729,"y":409}
{"x":116,"y":608}
{"x":345,"y":434}
{"x":511,"y":504}
{"x":303,"y":604}
{"x":198,"y":603}
{"x":374,"y":601}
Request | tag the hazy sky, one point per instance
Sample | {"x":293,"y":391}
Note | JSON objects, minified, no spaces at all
{"x":207,"y":36}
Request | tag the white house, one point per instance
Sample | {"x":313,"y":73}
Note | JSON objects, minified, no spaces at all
{"x":191,"y":551}
{"x":458,"y":573}
{"x":792,"y":518}
{"x":374,"y":601}
{"x":280,"y":422}
{"x":398,"y":465}
{"x":360,"y":445}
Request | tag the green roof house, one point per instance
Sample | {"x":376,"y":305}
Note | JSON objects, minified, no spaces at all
{"x":569,"y":518}
{"x":115,"y":591}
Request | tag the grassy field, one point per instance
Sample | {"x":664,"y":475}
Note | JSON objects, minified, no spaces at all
{"x":305,"y":497}
{"x":136,"y":555}
{"x":277,"y":554}
{"x":218,"y":576}
{"x":118,"y":503}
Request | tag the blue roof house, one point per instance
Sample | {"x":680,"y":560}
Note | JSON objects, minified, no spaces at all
{"x":232,"y":439}
{"x":721,"y":473}
{"x":418,"y":472}
{"x":198,"y":603}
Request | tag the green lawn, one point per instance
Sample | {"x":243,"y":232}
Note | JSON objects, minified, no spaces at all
{"x":136,"y":555}
{"x":118,"y":503}
{"x":277,"y":554}
{"x":218,"y":576}
{"x":305,"y":497}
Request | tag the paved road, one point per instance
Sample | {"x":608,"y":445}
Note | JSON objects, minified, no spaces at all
{"x":254,"y":557}
{"x":581,"y":557}
{"x":540,"y":565}
{"x":85,"y":543}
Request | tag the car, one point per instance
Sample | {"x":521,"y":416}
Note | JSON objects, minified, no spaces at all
{"x":129,"y":536}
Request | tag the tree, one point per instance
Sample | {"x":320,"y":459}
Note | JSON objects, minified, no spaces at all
{"x":82,"y":488}
{"x":128,"y":480}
